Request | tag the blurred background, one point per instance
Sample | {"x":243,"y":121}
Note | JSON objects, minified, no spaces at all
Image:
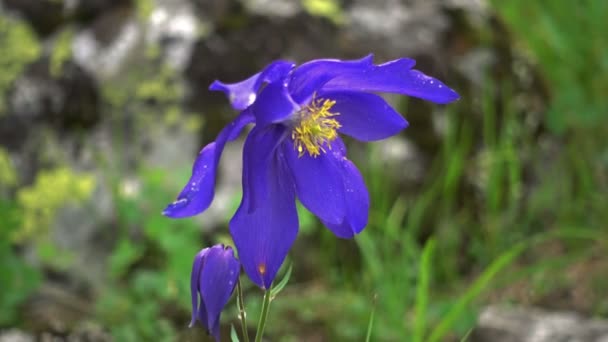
{"x":488,"y":216}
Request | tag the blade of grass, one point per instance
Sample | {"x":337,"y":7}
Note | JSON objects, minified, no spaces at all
{"x":370,"y":325}
{"x":422,"y":292}
{"x":234,"y":337}
{"x":499,"y":264}
{"x":479,"y":285}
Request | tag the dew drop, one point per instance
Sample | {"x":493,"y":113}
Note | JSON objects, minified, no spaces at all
{"x":180,"y":202}
{"x":176,"y":205}
{"x":251,"y":98}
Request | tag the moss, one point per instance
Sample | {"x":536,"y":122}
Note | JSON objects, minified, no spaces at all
{"x":19,"y":47}
{"x":144,"y":8}
{"x":172,"y":115}
{"x":8,"y":175}
{"x":329,"y":9}
{"x":161,"y":88}
{"x":194,"y":123}
{"x":52,"y":190}
{"x":62,"y":51}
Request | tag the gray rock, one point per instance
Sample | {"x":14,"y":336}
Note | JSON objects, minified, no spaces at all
{"x":118,"y":38}
{"x":174,"y":26}
{"x":396,"y":27}
{"x":67,"y":101}
{"x":534,"y":325}
{"x":78,"y":229}
{"x":104,"y":48}
{"x":15,"y":335}
{"x":475,"y":64}
{"x":271,"y":8}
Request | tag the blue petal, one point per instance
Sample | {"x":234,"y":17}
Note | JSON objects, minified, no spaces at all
{"x":258,"y":151}
{"x":202,"y":315}
{"x":198,"y":193}
{"x":217,"y":281}
{"x":365,"y":116}
{"x":394,"y":77}
{"x":318,"y":183}
{"x":264,"y":235}
{"x":274,"y":104}
{"x":309,"y":77}
{"x":197,"y":265}
{"x":243,"y":94}
{"x":357,"y":199}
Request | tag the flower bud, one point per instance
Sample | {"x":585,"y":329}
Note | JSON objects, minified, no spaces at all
{"x":214,"y":275}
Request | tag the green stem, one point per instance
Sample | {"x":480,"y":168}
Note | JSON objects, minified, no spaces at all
{"x":242,"y":314}
{"x":263,"y":316}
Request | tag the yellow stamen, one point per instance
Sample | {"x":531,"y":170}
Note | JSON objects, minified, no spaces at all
{"x":316,"y":128}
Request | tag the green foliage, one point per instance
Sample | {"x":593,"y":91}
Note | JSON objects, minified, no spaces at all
{"x":568,"y":42}
{"x":161,"y":88}
{"x":150,"y":274}
{"x":422,"y":292}
{"x":18,"y":279}
{"x":276,"y":289}
{"x":62,"y":51}
{"x":52,"y":190}
{"x":370,"y":325}
{"x":8,"y":175}
{"x":144,"y":8}
{"x":150,"y":90}
{"x":329,"y":9}
{"x":497,"y":234}
{"x":234,"y":337}
{"x":19,"y":47}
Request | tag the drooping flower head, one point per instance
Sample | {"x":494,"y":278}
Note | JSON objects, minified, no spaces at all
{"x":295,"y":151}
{"x":214,"y":275}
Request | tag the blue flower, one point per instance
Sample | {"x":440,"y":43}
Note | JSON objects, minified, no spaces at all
{"x":294,"y":150}
{"x":214,"y":275}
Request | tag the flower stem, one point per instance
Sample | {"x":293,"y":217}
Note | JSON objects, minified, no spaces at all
{"x":242,"y":314}
{"x":263,"y":316}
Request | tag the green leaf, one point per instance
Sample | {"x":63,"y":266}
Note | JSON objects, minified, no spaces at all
{"x":233,"y":335}
{"x":478,"y":286}
{"x":279,"y":287}
{"x":124,"y":255}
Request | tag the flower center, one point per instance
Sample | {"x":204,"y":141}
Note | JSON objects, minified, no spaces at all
{"x":316,"y":128}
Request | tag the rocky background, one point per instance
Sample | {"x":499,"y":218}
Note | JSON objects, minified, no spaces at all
{"x":104,"y":104}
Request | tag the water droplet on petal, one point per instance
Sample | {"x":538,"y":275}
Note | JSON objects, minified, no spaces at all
{"x":251,"y":98}
{"x":180,"y":203}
